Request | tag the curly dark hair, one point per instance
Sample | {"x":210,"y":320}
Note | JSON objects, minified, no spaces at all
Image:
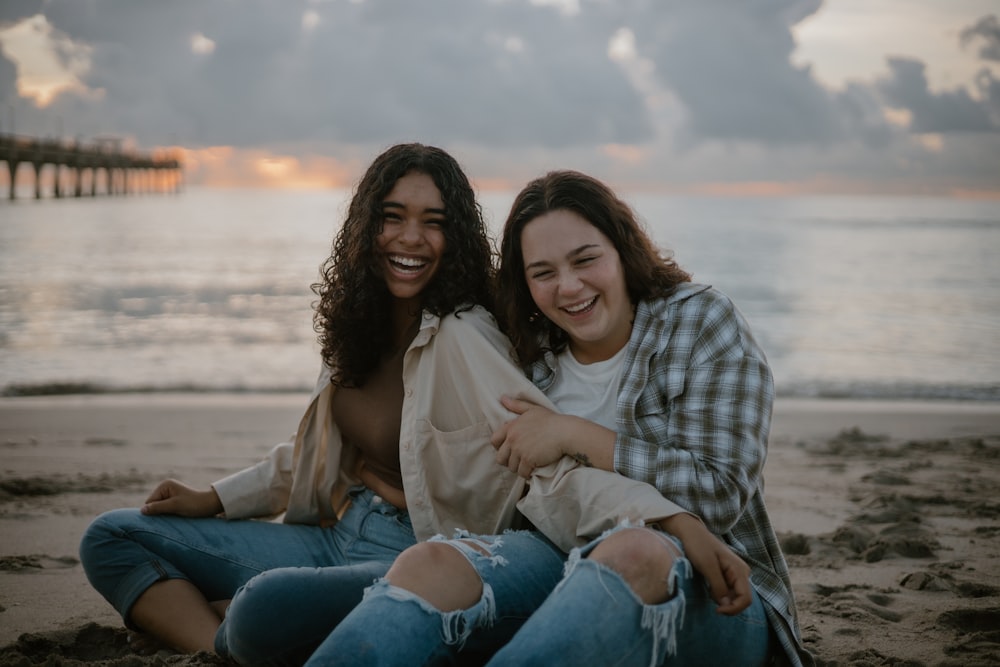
{"x":649,"y":273}
{"x":352,"y":317}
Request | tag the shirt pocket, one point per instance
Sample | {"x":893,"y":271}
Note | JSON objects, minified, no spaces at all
{"x":654,"y":407}
{"x":466,"y":485}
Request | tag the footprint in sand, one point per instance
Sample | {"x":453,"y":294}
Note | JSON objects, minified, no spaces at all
{"x":978,"y":640}
{"x":35,"y":562}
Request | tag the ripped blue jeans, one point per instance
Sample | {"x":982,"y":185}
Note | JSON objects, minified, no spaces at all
{"x":393,"y":626}
{"x":594,"y":618}
{"x":581,"y":613}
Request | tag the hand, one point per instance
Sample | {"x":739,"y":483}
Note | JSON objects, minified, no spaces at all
{"x":172,"y":497}
{"x":530,"y":440}
{"x":727,"y":575}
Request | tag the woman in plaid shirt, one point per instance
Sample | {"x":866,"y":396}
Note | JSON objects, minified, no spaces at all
{"x":660,"y":380}
{"x":583,"y":283}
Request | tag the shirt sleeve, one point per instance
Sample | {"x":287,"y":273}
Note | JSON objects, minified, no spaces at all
{"x":261,"y":489}
{"x":572,"y":504}
{"x":706,"y":451}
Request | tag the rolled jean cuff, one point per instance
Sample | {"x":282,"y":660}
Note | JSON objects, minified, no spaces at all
{"x":137,"y":582}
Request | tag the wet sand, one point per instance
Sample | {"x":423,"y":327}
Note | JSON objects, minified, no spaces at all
{"x":889,"y":514}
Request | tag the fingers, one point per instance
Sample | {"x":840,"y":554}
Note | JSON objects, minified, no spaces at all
{"x":163,"y":490}
{"x":516,"y":405}
{"x":738,"y":595}
{"x":506,"y":456}
{"x":167,"y":506}
{"x":499,"y":435}
{"x":741,"y":593}
{"x":503,"y":454}
{"x":718,"y":587}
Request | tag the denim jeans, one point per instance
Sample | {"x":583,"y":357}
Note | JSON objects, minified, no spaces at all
{"x":125,"y":552}
{"x":594,"y":618}
{"x":393,"y":626}
{"x":590,"y":617}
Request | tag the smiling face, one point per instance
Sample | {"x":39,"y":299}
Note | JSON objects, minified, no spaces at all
{"x":576,"y":279}
{"x":412,"y":242}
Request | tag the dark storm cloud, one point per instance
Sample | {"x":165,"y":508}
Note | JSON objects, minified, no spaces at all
{"x":730,"y":66}
{"x":986,"y":29}
{"x":949,"y":111}
{"x":8,"y":79}
{"x":494,"y":73}
{"x":489,"y":74}
{"x":12,"y":11}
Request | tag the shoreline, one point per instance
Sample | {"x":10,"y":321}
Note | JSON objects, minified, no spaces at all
{"x":888,"y":511}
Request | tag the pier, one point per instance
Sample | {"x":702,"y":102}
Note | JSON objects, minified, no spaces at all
{"x":78,"y":169}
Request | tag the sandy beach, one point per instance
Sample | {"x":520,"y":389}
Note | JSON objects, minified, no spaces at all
{"x":889,"y":513}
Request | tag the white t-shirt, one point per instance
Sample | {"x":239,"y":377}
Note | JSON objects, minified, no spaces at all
{"x":588,"y":390}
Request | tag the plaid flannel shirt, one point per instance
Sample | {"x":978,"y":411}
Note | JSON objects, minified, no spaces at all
{"x":693,"y":416}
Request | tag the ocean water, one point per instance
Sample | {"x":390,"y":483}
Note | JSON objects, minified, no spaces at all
{"x":208,"y":290}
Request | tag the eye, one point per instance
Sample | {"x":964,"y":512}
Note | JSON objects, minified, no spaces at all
{"x":583,"y":261}
{"x":541,"y":274}
{"x":390,"y":216}
{"x":436,"y":222}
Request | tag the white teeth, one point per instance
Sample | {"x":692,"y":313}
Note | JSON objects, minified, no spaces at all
{"x":409,"y":262}
{"x":580,"y":308}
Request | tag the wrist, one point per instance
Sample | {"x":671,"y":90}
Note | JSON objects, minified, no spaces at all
{"x":213,"y":502}
{"x":680,"y":523}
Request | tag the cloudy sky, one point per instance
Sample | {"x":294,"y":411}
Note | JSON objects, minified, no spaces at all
{"x":693,"y":96}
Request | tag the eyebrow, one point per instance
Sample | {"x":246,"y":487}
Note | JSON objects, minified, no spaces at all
{"x":571,"y":253}
{"x":392,"y":204}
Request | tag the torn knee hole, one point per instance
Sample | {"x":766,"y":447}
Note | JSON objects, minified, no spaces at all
{"x":478,"y":546}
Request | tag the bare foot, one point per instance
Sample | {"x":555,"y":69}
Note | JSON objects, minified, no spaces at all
{"x":143,"y":644}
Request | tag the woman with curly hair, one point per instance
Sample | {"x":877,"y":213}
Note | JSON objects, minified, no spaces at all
{"x":393,"y":447}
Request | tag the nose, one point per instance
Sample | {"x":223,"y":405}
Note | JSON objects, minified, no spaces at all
{"x":569,"y":283}
{"x":411,"y":232}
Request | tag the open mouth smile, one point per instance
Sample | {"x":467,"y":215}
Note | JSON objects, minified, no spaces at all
{"x":581,"y":308}
{"x":407,"y":265}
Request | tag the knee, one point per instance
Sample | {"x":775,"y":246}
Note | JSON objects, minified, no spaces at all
{"x":247,"y":634}
{"x":439,"y":574}
{"x":103,"y":532}
{"x":642,"y":558}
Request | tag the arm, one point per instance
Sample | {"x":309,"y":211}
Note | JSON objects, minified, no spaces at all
{"x":699,"y":432}
{"x":173,"y":497}
{"x":538,"y":436}
{"x":727,"y":575}
{"x":260,"y":490}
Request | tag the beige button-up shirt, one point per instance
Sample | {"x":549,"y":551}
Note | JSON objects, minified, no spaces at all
{"x":454,"y":373}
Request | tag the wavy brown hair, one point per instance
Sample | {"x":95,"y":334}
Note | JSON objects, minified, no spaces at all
{"x":352,"y":317}
{"x":649,"y":273}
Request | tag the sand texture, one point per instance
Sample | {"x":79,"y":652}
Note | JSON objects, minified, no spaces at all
{"x":889,"y":514}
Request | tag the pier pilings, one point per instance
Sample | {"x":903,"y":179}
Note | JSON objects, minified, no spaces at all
{"x":77,"y":169}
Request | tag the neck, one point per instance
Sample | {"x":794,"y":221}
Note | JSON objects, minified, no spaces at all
{"x":405,"y":322}
{"x":588,"y":354}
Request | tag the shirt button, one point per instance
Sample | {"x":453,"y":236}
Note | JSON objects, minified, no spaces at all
{"x":409,"y":392}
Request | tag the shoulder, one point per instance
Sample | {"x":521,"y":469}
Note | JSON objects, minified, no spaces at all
{"x":691,"y":300}
{"x":470,"y":327}
{"x":474,"y":319}
{"x":697,"y":315}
